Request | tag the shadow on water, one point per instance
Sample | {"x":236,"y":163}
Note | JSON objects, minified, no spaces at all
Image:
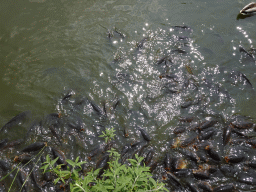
{"x":242,"y":16}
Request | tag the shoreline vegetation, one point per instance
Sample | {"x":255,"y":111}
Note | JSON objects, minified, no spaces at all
{"x":109,"y":175}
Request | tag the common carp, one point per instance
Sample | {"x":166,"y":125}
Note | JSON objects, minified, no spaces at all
{"x":15,"y":120}
{"x":34,"y":147}
{"x":144,"y":134}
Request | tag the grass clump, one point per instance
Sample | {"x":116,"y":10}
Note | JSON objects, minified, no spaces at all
{"x":116,"y":177}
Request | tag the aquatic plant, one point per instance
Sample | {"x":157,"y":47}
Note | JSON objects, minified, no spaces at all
{"x":117,"y":177}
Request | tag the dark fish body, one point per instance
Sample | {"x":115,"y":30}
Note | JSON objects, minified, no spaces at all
{"x":186,"y":119}
{"x":212,"y":153}
{"x":239,"y":75}
{"x":80,"y":102}
{"x":149,"y":157}
{"x":242,"y":50}
{"x":125,"y":149}
{"x":252,"y":142}
{"x":35,"y":178}
{"x":172,"y":91}
{"x":224,"y":188}
{"x":191,"y":155}
{"x":14,"y":143}
{"x":252,"y":163}
{"x":96,"y":108}
{"x":53,"y":131}
{"x":47,"y":176}
{"x":119,"y":33}
{"x":202,"y":156}
{"x":246,"y":178}
{"x":205,"y":186}
{"x":15,"y":120}
{"x":5,"y":166}
{"x":202,"y":145}
{"x":188,"y":141}
{"x":186,"y":104}
{"x":234,"y":158}
{"x":33,"y":126}
{"x":136,"y":144}
{"x":53,"y":116}
{"x":24,"y":158}
{"x":228,"y":170}
{"x":180,"y":50}
{"x":138,"y":151}
{"x":189,"y":70}
{"x":242,"y":125}
{"x":207,"y":124}
{"x":239,"y":132}
{"x":179,"y":130}
{"x":68,"y":95}
{"x":161,"y":60}
{"x":213,"y":169}
{"x":95,"y":151}
{"x":207,"y":134}
{"x":141,"y":43}
{"x":152,"y":166}
{"x":57,"y":153}
{"x":168,"y":162}
{"x":102,"y":164}
{"x":183,"y":173}
{"x":110,"y":34}
{"x":246,"y":79}
{"x":172,"y":178}
{"x":226,"y":134}
{"x":144,"y":134}
{"x":116,"y":103}
{"x":200,"y":174}
{"x":34,"y":147}
{"x":77,"y":124}
{"x":193,"y":127}
{"x":192,"y":186}
{"x":21,"y":179}
{"x":53,"y":119}
{"x":3,"y":143}
{"x":237,"y":140}
{"x":126,"y":132}
{"x":183,"y":27}
{"x":178,"y":164}
{"x":169,"y":76}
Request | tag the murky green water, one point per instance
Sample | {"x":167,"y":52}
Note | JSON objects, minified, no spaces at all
{"x":48,"y":48}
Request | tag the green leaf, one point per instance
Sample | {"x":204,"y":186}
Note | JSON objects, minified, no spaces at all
{"x":82,"y":162}
{"x":54,"y":161}
{"x":62,"y":180}
{"x":108,"y":174}
{"x":70,"y":162}
{"x":132,"y":161}
{"x":45,"y":167}
{"x":77,"y":159}
{"x":48,"y":158}
{"x":56,"y":180}
{"x":75,"y":172}
{"x":65,"y":172}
